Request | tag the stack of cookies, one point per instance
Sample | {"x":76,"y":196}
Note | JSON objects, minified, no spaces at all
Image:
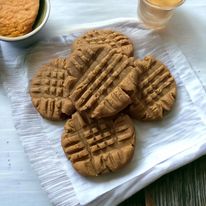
{"x":98,"y":87}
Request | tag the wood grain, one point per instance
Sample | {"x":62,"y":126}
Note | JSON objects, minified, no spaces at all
{"x":136,"y":200}
{"x":183,"y":187}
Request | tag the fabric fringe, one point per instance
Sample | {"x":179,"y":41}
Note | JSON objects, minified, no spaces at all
{"x":36,"y":145}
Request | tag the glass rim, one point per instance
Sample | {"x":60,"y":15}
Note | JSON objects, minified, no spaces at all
{"x":163,"y":8}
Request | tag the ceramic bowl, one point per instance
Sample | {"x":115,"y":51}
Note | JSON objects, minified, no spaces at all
{"x":34,"y":35}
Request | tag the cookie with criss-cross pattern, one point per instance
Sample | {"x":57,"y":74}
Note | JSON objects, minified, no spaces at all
{"x":48,"y":94}
{"x":96,"y":147}
{"x":110,"y":38}
{"x":102,"y":81}
{"x":156,"y":91}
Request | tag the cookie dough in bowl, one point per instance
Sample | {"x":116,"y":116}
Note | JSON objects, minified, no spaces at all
{"x":21,"y":21}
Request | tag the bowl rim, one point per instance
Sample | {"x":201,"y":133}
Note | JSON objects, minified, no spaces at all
{"x":19,"y":38}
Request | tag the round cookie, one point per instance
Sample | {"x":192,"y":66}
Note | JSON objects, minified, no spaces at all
{"x":156,"y":91}
{"x":101,"y":81}
{"x":111,"y":38}
{"x":48,"y":95}
{"x":17,"y":16}
{"x":96,"y":147}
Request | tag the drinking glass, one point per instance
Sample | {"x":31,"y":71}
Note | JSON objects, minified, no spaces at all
{"x":156,"y":13}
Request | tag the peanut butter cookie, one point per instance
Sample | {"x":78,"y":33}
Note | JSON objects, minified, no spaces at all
{"x":101,"y":81}
{"x":96,"y":147}
{"x":111,"y":38}
{"x":48,"y":95}
{"x":156,"y":91}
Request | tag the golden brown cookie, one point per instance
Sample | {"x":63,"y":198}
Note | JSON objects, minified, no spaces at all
{"x":101,"y":81}
{"x":97,"y":147}
{"x":49,"y":97}
{"x":111,"y":38}
{"x":156,"y":91}
{"x":17,"y":16}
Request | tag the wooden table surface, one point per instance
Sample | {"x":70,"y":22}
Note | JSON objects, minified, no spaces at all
{"x":19,"y":184}
{"x":183,"y":187}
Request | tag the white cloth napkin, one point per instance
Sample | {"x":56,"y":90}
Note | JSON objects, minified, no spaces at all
{"x":162,"y":146}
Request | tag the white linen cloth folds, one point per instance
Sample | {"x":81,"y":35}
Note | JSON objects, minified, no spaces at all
{"x":162,"y":146}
